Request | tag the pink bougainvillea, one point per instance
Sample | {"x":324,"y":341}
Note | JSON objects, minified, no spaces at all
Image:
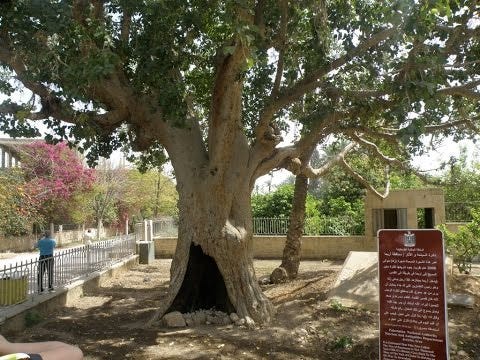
{"x":53,"y":174}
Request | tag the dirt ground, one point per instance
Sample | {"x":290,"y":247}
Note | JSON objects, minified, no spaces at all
{"x":107,"y":323}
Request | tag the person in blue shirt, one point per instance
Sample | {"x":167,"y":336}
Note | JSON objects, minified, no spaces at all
{"x":45,"y":245}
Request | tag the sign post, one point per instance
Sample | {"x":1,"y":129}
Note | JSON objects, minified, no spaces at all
{"x":413,"y":314}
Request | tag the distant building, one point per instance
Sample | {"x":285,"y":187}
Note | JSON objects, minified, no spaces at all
{"x":10,"y":151}
{"x":404,"y":209}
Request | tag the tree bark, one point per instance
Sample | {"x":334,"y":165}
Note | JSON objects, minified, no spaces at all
{"x":213,"y":262}
{"x":293,"y":244}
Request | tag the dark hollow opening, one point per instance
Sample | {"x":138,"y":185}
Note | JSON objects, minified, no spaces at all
{"x":203,"y":286}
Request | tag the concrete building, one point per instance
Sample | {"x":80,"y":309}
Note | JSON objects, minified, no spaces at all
{"x":10,"y":150}
{"x":404,"y":209}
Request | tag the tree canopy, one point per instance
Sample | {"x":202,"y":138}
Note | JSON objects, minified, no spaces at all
{"x":361,"y":68}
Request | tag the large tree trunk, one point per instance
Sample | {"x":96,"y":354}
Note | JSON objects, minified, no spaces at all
{"x":213,"y":263}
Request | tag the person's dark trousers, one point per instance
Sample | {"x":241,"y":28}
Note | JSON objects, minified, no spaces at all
{"x":45,"y":264}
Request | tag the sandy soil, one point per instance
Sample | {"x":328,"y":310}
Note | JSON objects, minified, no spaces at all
{"x":107,"y":323}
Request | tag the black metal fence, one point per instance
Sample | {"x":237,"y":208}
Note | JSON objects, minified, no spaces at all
{"x":24,"y":279}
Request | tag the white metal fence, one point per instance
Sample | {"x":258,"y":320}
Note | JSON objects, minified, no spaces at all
{"x":24,"y":279}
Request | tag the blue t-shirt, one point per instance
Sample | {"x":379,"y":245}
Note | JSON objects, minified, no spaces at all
{"x":46,"y":245}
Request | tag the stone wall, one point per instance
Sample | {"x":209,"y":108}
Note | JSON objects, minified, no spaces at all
{"x":17,"y":243}
{"x":271,"y":247}
{"x":453,"y":226}
{"x":28,"y":242}
{"x":313,"y":247}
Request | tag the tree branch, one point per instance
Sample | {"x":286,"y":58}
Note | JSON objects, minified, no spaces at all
{"x":316,"y":173}
{"x":356,"y":93}
{"x":280,"y":156}
{"x":376,"y":151}
{"x":463,"y":90}
{"x":282,"y":47}
{"x":431,"y":129}
{"x":273,"y":162}
{"x":259,"y":20}
{"x":225,"y":121}
{"x":361,"y":180}
{"x":311,"y":81}
{"x":389,"y":160}
{"x":125,"y":26}
{"x":326,"y":124}
{"x":388,"y":135}
{"x":115,"y":94}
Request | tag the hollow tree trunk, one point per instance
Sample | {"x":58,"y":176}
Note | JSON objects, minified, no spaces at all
{"x":213,"y":264}
{"x":216,"y":171}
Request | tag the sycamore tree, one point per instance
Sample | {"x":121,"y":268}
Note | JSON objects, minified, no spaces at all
{"x":213,"y":82}
{"x":341,"y":190}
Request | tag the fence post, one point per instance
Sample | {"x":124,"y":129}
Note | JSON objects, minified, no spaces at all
{"x":145,"y":230}
{"x":150,"y":230}
{"x":57,"y":235}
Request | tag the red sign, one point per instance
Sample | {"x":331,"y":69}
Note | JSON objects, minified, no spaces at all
{"x":413,"y":315}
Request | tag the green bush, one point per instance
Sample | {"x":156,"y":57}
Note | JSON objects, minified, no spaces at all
{"x":464,"y":245}
{"x":32,"y":318}
{"x":336,"y":225}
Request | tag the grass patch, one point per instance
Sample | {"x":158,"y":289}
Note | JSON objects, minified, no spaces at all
{"x":32,"y":318}
{"x":343,"y":342}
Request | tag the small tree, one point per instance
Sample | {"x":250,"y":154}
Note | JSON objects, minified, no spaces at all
{"x":150,"y":194}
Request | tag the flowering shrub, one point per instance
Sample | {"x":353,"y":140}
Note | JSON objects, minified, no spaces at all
{"x":54,"y":174}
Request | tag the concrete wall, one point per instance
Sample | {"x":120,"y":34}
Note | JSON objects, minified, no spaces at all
{"x":17,"y":243}
{"x":28,"y":242}
{"x":271,"y":247}
{"x":12,"y":319}
{"x":453,"y":226}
